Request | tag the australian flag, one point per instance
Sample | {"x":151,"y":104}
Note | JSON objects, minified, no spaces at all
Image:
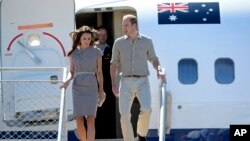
{"x":189,"y":13}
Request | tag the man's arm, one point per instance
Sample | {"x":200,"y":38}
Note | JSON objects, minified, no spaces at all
{"x":154,"y":60}
{"x":113,"y":75}
{"x":156,"y":65}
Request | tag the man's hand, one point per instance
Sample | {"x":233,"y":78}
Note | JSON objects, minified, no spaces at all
{"x":115,"y":90}
{"x":161,"y":74}
{"x":162,"y":78}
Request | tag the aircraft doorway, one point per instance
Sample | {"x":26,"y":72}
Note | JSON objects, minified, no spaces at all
{"x":106,"y":115}
{"x":108,"y":118}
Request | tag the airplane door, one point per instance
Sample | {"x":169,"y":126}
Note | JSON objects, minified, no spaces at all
{"x":35,"y":33}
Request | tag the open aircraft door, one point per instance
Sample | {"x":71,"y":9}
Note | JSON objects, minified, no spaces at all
{"x":34,"y":33}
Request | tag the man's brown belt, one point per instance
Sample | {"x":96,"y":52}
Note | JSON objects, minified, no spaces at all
{"x":135,"y":76}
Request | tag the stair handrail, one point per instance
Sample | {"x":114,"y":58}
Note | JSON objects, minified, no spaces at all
{"x":62,"y":128}
{"x":162,"y":128}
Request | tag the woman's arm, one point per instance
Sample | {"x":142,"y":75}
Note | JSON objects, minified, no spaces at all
{"x":99,"y":74}
{"x":70,"y":75}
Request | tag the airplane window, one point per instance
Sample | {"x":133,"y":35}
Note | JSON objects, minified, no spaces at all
{"x":187,"y":71}
{"x":224,"y":70}
{"x":34,"y":40}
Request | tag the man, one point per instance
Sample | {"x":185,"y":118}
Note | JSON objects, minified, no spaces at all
{"x":130,"y":55}
{"x":105,"y":120}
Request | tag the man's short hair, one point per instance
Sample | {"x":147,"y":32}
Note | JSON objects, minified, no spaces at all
{"x":132,"y":18}
{"x":101,"y":27}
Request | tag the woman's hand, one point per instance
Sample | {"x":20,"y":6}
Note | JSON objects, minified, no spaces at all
{"x":102,"y":97}
{"x":65,"y":84}
{"x":102,"y":94}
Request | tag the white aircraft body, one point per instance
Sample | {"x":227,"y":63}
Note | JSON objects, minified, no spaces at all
{"x":203,"y":46}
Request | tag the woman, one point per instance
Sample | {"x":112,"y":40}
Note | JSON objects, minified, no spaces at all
{"x":85,"y":71}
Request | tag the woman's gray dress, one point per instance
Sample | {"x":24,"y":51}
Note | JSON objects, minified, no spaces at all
{"x":85,"y":86}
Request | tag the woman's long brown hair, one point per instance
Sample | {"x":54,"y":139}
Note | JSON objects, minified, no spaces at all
{"x":76,"y":37}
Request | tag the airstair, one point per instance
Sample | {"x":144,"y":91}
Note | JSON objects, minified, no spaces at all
{"x":32,"y":105}
{"x":33,"y":108}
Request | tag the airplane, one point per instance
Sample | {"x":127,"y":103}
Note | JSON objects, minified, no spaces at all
{"x":202,"y":44}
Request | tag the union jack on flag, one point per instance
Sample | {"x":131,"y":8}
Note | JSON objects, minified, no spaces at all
{"x":172,"y":7}
{"x":189,"y":13}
